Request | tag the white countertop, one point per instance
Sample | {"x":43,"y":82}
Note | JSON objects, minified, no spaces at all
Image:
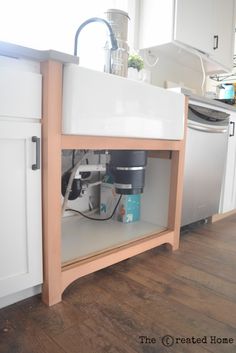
{"x":202,"y":99}
{"x":18,"y":51}
{"x":215,"y":103}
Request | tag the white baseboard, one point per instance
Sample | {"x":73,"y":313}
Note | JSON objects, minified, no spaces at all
{"x":16,"y":297}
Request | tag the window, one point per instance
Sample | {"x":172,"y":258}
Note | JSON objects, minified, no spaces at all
{"x":51,"y":24}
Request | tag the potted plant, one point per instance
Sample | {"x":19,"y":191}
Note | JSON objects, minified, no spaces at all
{"x":135,"y":64}
{"x":136,"y":61}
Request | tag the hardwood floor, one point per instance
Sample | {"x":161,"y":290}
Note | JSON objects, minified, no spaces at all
{"x":189,"y":295}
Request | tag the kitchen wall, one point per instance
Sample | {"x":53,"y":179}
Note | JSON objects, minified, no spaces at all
{"x":168,"y":72}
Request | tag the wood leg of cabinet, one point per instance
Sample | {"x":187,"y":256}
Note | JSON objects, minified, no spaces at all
{"x":176,"y":186}
{"x":176,"y":191}
{"x":51,"y":153}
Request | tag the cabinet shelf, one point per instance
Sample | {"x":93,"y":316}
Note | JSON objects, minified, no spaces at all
{"x":82,"y":238}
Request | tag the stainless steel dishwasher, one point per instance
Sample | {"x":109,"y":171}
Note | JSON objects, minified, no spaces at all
{"x":206,"y":146}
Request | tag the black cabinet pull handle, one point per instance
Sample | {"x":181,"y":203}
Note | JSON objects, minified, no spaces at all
{"x":37,"y":142}
{"x":216,"y":42}
{"x":232,"y":123}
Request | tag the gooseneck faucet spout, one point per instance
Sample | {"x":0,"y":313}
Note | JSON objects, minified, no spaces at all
{"x":113,"y":40}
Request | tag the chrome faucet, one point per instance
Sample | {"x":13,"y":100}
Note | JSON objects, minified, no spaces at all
{"x":113,"y":40}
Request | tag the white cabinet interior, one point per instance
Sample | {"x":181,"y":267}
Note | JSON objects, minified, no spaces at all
{"x":82,"y":238}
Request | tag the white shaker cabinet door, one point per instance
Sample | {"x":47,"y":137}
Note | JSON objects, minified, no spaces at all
{"x":228,"y":192}
{"x":194,"y":24}
{"x":20,"y":207}
{"x":223,"y":30}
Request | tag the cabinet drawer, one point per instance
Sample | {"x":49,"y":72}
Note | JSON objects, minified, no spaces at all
{"x":20,"y":93}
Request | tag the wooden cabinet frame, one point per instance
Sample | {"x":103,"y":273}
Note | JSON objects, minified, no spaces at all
{"x":56,"y":276}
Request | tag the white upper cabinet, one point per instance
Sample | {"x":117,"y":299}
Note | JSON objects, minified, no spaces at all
{"x":192,"y":24}
{"x":203,"y":26}
{"x":224,"y":32}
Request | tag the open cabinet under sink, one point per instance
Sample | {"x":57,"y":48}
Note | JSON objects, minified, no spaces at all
{"x":87,"y":110}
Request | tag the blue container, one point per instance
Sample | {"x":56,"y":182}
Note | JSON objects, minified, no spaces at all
{"x":129,"y":208}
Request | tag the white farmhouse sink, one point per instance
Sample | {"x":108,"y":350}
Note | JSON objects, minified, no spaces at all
{"x":101,"y":104}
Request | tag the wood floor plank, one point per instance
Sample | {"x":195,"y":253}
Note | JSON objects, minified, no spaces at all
{"x":202,"y":279}
{"x":19,"y":335}
{"x":211,"y":252}
{"x":216,"y":235}
{"x":200,"y":260}
{"x":53,"y":320}
{"x":127,"y":321}
{"x":222,"y":245}
{"x":173,"y":311}
{"x":89,"y":337}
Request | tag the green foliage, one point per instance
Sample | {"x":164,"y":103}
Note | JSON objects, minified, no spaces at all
{"x":136,"y":62}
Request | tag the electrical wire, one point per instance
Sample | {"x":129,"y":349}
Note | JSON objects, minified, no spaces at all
{"x":72,"y":176}
{"x":97,"y":219}
{"x":146,"y":60}
{"x":73,"y":158}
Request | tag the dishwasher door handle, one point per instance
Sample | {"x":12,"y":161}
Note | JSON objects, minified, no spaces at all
{"x":207,"y":128}
{"x":233,"y":124}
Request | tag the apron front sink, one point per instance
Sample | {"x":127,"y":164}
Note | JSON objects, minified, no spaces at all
{"x":102,"y":104}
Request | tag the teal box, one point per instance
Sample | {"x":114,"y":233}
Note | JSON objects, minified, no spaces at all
{"x":129,"y":208}
{"x":108,"y":199}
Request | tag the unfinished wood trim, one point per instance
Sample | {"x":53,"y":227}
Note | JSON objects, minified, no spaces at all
{"x":51,"y":158}
{"x":220,"y":216}
{"x":103,"y":142}
{"x":176,"y":186}
{"x":160,"y":154}
{"x":72,"y":272}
